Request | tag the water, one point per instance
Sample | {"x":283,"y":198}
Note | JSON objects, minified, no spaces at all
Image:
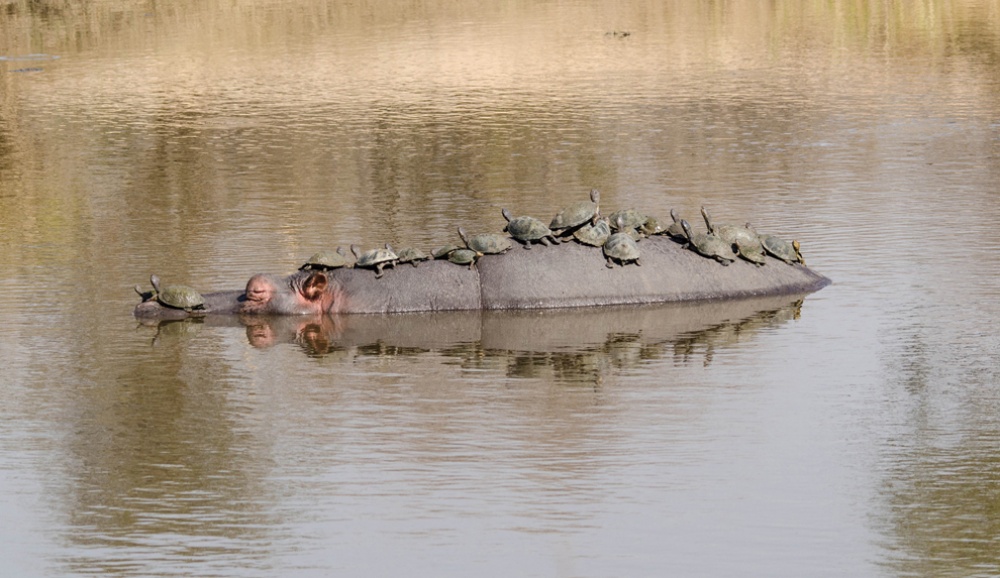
{"x":851,"y":433}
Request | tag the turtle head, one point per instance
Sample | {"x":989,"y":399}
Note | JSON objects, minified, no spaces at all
{"x":340,"y":251}
{"x":506,"y":215}
{"x":356,"y":251}
{"x":687,"y":229}
{"x":595,"y":195}
{"x":154,"y":280}
{"x":465,"y":238}
{"x":798,"y":251}
{"x":708,"y":220}
{"x":674,"y":216}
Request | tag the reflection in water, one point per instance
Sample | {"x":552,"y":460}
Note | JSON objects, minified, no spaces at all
{"x":564,"y":345}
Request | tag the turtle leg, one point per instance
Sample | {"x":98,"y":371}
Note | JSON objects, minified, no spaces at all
{"x":610,"y":264}
{"x":527,"y":245}
{"x":638,"y":264}
{"x":378,"y":271}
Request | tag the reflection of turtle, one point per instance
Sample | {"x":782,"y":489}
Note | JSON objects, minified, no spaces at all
{"x":326,"y":260}
{"x":486,"y":243}
{"x":412,"y":255}
{"x":527,"y":229}
{"x":375,"y":259}
{"x":595,"y":235}
{"x":709,"y":245}
{"x":777,"y":247}
{"x":621,"y":247}
{"x":464,"y":257}
{"x":175,"y":296}
{"x":575,"y":215}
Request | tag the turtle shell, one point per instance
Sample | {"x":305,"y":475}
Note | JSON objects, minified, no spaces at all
{"x":621,"y":247}
{"x":412,"y":255}
{"x":486,"y":243}
{"x":526,"y":228}
{"x":781,"y":249}
{"x":595,"y":235}
{"x":464,"y":257}
{"x":578,"y":213}
{"x":753,"y":252}
{"x":325,"y":260}
{"x":628,"y":218}
{"x":176,"y":296}
{"x":709,"y":245}
{"x":443,"y":251}
{"x":376,"y":256}
{"x":652,"y":226}
{"x":180,"y":297}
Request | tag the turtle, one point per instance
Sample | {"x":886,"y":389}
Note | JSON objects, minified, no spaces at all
{"x":629,"y":218}
{"x":751,"y":252}
{"x":486,"y":243}
{"x":777,"y":247}
{"x":174,"y":296}
{"x":595,"y":235}
{"x":732,"y":233}
{"x":575,"y":215}
{"x":326,"y":260}
{"x":621,"y":247}
{"x":652,"y":226}
{"x":412,"y":255}
{"x":462,"y":256}
{"x":675,"y":230}
{"x":375,"y":259}
{"x":709,"y":245}
{"x":527,"y":230}
{"x":443,"y":251}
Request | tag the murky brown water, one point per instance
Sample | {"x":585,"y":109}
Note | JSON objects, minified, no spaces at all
{"x":853,"y":433}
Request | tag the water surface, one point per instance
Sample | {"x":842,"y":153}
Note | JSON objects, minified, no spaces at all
{"x":848,"y":432}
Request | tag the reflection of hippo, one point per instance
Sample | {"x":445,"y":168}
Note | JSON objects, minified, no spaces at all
{"x":571,"y":344}
{"x":568,"y":275}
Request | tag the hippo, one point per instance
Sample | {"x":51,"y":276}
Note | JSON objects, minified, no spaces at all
{"x":565,"y":275}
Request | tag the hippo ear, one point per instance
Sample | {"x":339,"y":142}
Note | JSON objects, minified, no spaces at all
{"x":314,"y":286}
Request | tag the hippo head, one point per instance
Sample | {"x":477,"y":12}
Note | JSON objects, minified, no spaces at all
{"x":302,"y":293}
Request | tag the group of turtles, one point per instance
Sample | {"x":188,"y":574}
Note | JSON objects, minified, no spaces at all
{"x":617,"y":235}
